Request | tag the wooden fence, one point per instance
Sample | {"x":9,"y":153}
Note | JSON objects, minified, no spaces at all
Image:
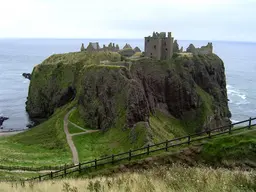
{"x":163,"y":146}
{"x":42,"y":168}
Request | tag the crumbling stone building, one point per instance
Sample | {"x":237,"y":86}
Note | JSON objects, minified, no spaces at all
{"x":159,"y":46}
{"x":204,"y":50}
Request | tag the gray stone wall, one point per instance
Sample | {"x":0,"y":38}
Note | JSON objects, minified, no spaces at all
{"x":204,"y":50}
{"x":159,"y":46}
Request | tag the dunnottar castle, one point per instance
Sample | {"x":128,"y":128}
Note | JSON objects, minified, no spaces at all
{"x":158,"y":46}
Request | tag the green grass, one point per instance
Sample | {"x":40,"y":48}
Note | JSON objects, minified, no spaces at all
{"x":75,"y":118}
{"x":165,"y":127}
{"x":238,"y":147}
{"x":99,"y":144}
{"x":172,"y":178}
{"x":44,"y":145}
{"x":73,"y":129}
{"x":6,"y":175}
{"x":118,"y":139}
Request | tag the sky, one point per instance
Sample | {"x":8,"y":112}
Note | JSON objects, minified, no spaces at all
{"x":229,"y":20}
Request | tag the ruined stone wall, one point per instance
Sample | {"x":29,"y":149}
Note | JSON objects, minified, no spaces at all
{"x":153,"y":47}
{"x":167,"y":48}
{"x":204,"y":50}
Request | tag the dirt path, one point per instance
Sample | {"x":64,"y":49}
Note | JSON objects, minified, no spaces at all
{"x":69,"y":136}
{"x":86,"y":132}
{"x":77,"y":126}
{"x":69,"y":139}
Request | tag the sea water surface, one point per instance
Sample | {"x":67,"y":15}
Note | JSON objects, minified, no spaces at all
{"x":21,"y":55}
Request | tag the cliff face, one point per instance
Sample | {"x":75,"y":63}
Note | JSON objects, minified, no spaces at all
{"x":191,"y":89}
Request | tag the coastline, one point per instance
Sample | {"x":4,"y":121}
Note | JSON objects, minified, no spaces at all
{"x":9,"y":133}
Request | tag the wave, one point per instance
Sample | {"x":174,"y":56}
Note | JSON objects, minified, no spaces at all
{"x":234,"y":121}
{"x":235,"y":92}
{"x":25,"y":81}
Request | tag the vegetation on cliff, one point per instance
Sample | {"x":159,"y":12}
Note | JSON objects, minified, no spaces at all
{"x":143,"y":98}
{"x":135,"y":102}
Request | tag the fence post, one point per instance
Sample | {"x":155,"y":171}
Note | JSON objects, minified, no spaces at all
{"x":65,"y":170}
{"x":148,"y":149}
{"x":229,"y":129}
{"x":51,"y":175}
{"x":209,"y":133}
{"x":130,"y":155}
{"x":188,"y":139}
{"x":79,"y":167}
{"x":250,"y":123}
{"x":166,"y":145}
{"x":113,"y":156}
{"x":95,"y":161}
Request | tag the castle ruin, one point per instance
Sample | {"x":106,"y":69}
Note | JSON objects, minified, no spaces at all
{"x":204,"y":50}
{"x":159,"y":46}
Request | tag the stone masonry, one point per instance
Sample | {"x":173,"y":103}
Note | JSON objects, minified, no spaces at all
{"x":159,"y":46}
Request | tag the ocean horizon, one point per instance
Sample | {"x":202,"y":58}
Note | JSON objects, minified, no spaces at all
{"x":20,"y":55}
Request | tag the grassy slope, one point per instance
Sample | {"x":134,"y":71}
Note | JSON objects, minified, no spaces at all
{"x":160,"y":178}
{"x":73,"y":129}
{"x":44,"y":145}
{"x":165,"y":127}
{"x":241,"y":147}
{"x":75,"y":117}
{"x":6,"y":175}
{"x":99,"y":144}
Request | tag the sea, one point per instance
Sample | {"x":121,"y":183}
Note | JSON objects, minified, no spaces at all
{"x":19,"y":56}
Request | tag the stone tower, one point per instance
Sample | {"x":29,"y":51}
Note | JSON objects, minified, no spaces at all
{"x":159,"y":46}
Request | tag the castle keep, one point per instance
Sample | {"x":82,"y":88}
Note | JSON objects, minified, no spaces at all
{"x":159,"y":46}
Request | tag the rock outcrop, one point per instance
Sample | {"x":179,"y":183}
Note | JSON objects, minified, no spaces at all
{"x":2,"y":119}
{"x":27,"y":75}
{"x":191,"y":90}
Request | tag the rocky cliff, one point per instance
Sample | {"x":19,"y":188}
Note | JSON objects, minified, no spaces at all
{"x":189,"y":89}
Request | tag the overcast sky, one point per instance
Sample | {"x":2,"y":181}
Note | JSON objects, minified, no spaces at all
{"x":233,"y":20}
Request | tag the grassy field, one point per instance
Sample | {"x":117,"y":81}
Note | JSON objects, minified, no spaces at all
{"x":44,"y":145}
{"x":161,"y":178}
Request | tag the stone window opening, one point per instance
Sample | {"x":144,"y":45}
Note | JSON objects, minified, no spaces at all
{"x":154,"y":46}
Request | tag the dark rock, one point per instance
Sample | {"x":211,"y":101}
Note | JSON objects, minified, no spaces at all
{"x":27,"y":75}
{"x":2,"y":119}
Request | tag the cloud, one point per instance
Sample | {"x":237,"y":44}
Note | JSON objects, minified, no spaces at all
{"x":212,"y":19}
